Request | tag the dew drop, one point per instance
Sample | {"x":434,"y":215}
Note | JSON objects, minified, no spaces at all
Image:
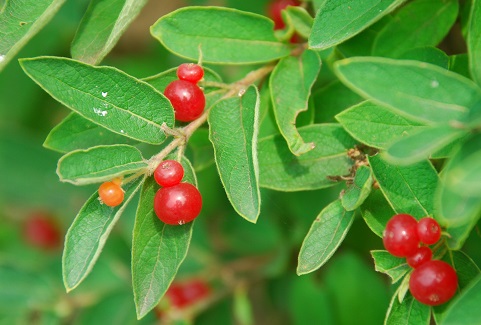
{"x":434,"y":84}
{"x":2,"y":58}
{"x":122,"y":131}
{"x":104,"y":94}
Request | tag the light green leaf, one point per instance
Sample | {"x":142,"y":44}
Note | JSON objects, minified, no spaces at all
{"x":473,"y":41}
{"x":20,"y":20}
{"x":104,"y":95}
{"x":158,"y":249}
{"x":336,"y":22}
{"x":299,"y":20}
{"x":76,"y":132}
{"x":409,"y":189}
{"x":376,"y":212}
{"x":357,"y":192}
{"x":234,"y":125}
{"x":324,"y":237}
{"x":409,"y":312}
{"x":230,"y":36}
{"x":393,"y":266}
{"x":422,"y":144}
{"x":375,"y":125}
{"x":101,"y":27}
{"x":419,"y":23}
{"x":418,"y":90}
{"x":99,"y":164}
{"x":88,"y":233}
{"x":290,"y":86}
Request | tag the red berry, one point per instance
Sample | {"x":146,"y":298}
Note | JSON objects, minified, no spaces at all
{"x":429,"y":231}
{"x":433,"y":283}
{"x":187,"y":99}
{"x":169,"y":173}
{"x":420,"y":256}
{"x":190,"y":72}
{"x":111,"y":194}
{"x":178,"y":204}
{"x":184,"y":294}
{"x":274,"y":11}
{"x":400,"y":236}
{"x":42,"y":231}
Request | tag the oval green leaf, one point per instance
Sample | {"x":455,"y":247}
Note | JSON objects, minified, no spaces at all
{"x":473,"y":41}
{"x":234,"y":126}
{"x":230,"y":36}
{"x":105,"y":96}
{"x":99,"y":164}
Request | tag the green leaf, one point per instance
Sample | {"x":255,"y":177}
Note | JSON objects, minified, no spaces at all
{"x":375,"y":125}
{"x":281,"y":170}
{"x":393,"y":266}
{"x":428,"y":54}
{"x":230,"y":37}
{"x":473,"y":41}
{"x":409,"y":189}
{"x":409,"y":312}
{"x":20,"y":20}
{"x":104,"y":95}
{"x":357,"y":192}
{"x":88,"y":233}
{"x":459,"y":234}
{"x":422,"y":144}
{"x":333,"y":99}
{"x":158,"y":249}
{"x":76,"y":132}
{"x":376,"y":212}
{"x":99,"y":164}
{"x":324,"y":237}
{"x":234,"y":125}
{"x":336,"y":22}
{"x":300,"y":20}
{"x":101,"y":27}
{"x":419,"y":23}
{"x":418,"y":90}
{"x":290,"y":86}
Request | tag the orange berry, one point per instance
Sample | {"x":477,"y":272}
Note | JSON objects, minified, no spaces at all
{"x":111,"y":194}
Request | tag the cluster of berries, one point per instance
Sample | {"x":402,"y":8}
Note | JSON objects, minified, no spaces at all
{"x":185,"y":95}
{"x":432,"y":282}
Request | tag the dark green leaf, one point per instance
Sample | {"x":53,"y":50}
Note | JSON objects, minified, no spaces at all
{"x":105,"y":96}
{"x":101,"y":27}
{"x":459,"y":234}
{"x":409,"y":312}
{"x":20,"y":20}
{"x":474,"y":41}
{"x":199,"y":150}
{"x":376,"y":212}
{"x":230,"y":36}
{"x":324,"y":237}
{"x":336,"y":22}
{"x":419,"y":23}
{"x":428,"y":54}
{"x":391,"y":265}
{"x":357,"y":192}
{"x":409,"y":189}
{"x":158,"y":249}
{"x":418,"y":90}
{"x":281,"y":170}
{"x":99,"y":164}
{"x":290,"y":85}
{"x":333,"y":99}
{"x":234,"y":125}
{"x":88,"y":233}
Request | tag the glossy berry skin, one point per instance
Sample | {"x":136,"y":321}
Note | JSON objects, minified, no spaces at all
{"x":400,"y":236}
{"x":178,"y":204}
{"x":41,"y":231}
{"x":111,"y":194}
{"x":187,"y":99}
{"x":433,"y":283}
{"x":184,"y":294}
{"x":429,"y":231}
{"x":169,"y":173}
{"x":190,"y":72}
{"x":421,"y":256}
{"x":274,"y":11}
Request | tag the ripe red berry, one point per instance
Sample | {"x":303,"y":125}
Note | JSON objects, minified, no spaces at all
{"x":429,"y":231}
{"x":184,"y":294}
{"x":400,"y":236}
{"x":42,"y":231}
{"x":420,"y":256}
{"x":190,"y":72}
{"x":187,"y":99}
{"x":111,"y":194}
{"x":169,"y":173}
{"x":274,"y":11}
{"x":178,"y":204}
{"x":433,"y":283}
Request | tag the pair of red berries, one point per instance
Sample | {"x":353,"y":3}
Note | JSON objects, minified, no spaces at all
{"x":432,"y":282}
{"x":186,"y":97}
{"x":175,"y":203}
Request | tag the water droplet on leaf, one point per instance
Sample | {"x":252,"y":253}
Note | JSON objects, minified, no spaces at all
{"x":104,"y":94}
